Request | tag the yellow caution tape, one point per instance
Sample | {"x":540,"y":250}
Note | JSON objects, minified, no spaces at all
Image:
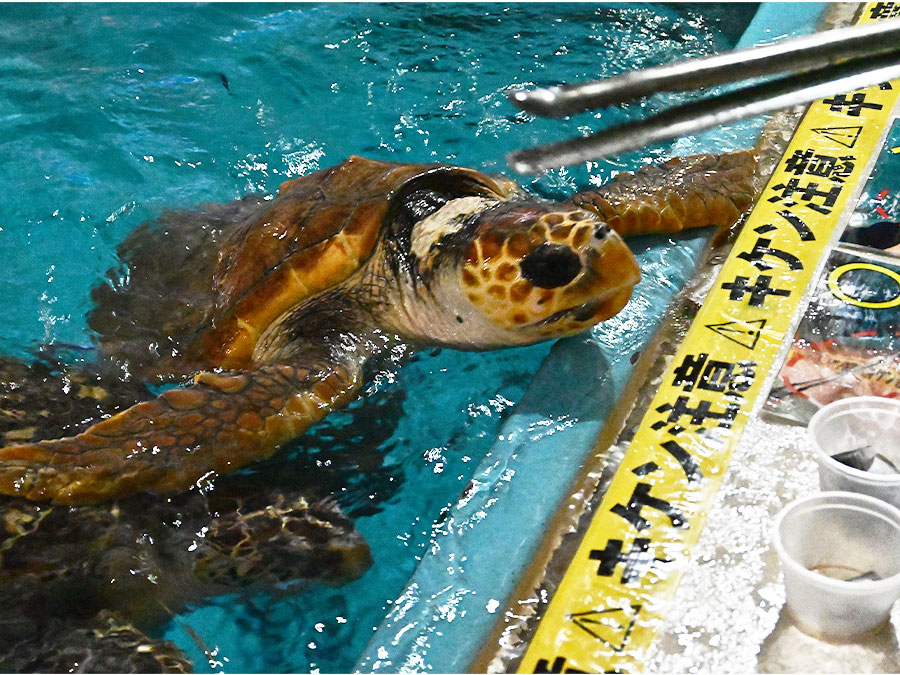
{"x":608,"y":609}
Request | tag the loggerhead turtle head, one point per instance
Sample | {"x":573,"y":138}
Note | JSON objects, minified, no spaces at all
{"x":541,"y":271}
{"x":494,"y":268}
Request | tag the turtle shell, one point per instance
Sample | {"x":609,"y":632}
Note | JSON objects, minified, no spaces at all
{"x":235,"y":269}
{"x":315,"y":234}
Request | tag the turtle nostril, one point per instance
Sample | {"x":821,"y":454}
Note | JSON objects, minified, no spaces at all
{"x":551,"y":266}
{"x":601,"y":231}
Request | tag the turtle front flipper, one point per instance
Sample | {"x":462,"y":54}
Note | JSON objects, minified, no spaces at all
{"x":683,"y":193}
{"x":214,"y":426}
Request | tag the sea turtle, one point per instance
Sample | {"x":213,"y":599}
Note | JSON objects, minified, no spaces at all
{"x":81,"y":584}
{"x":119,"y":569}
{"x":264,"y":311}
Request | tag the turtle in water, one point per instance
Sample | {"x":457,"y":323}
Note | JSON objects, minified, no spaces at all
{"x":81,"y":584}
{"x":123,"y":568}
{"x":264,"y":311}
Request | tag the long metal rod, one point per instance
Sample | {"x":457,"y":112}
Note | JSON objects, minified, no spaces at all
{"x":796,"y":54}
{"x":710,"y":112}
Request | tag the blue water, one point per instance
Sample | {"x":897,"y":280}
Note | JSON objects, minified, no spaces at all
{"x":110,"y":114}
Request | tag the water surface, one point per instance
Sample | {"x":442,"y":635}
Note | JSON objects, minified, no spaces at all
{"x":112,"y":113}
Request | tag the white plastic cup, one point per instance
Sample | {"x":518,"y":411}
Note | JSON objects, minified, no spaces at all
{"x":824,"y":541}
{"x":870,"y":422}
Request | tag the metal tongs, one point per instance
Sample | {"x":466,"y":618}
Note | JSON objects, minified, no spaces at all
{"x":824,"y":64}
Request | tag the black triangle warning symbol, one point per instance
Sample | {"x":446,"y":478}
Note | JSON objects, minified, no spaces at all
{"x":846,"y":136}
{"x":610,"y":626}
{"x":745,"y":333}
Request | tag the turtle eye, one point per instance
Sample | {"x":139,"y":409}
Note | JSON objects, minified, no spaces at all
{"x":551,"y":266}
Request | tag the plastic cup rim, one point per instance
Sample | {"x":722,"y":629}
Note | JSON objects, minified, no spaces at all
{"x":838,"y":585}
{"x":831,"y":462}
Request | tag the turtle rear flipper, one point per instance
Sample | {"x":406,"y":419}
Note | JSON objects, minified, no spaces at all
{"x":683,"y":193}
{"x":168,"y":444}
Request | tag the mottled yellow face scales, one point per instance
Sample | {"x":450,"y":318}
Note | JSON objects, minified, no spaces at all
{"x":561,"y":274}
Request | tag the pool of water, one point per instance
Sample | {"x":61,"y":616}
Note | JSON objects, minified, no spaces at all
{"x":110,"y":114}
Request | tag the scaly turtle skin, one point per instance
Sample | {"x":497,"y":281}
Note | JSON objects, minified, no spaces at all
{"x":273,"y":306}
{"x":106,"y":644}
{"x":69,"y":571}
{"x":79,"y":584}
{"x":141,"y":560}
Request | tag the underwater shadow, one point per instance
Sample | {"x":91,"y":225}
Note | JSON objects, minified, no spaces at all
{"x":575,"y":380}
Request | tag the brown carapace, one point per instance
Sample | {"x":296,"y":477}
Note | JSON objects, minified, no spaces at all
{"x":267,"y":309}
